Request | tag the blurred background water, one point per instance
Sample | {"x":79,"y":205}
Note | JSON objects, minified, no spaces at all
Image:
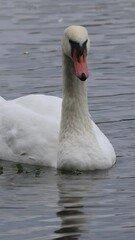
{"x":98,"y":205}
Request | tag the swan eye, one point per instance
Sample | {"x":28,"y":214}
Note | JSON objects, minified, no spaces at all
{"x":80,"y":49}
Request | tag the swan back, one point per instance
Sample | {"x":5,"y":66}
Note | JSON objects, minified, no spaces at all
{"x":2,"y":99}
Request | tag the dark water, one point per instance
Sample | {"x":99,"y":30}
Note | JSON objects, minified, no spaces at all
{"x":99,"y":205}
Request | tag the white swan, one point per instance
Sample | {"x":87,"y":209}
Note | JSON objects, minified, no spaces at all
{"x":29,"y":126}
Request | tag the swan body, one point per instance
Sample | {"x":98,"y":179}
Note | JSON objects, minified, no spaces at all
{"x":46,"y":130}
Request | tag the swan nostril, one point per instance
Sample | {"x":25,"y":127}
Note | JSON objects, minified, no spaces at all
{"x":83,"y":77}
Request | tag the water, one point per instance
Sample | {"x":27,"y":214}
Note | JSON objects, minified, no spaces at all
{"x":97,"y":205}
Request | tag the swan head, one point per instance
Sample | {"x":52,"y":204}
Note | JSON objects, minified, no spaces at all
{"x":75,"y":45}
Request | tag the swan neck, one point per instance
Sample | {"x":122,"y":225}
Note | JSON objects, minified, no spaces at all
{"x":73,"y":87}
{"x":75,"y":114}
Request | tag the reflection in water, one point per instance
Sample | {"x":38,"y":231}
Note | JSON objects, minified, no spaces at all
{"x":72,"y":221}
{"x":71,"y":200}
{"x":80,"y":199}
{"x":72,"y":214}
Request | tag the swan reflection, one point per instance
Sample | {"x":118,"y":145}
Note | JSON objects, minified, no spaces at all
{"x":72,"y":212}
{"x":78,"y":201}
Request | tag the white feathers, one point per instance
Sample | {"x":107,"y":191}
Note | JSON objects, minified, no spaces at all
{"x":30,"y":125}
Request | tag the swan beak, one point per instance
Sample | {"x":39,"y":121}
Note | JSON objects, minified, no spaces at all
{"x":80,"y":65}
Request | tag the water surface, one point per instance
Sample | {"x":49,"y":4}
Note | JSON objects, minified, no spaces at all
{"x":98,"y":205}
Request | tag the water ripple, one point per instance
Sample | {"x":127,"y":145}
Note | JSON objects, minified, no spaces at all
{"x":97,"y":205}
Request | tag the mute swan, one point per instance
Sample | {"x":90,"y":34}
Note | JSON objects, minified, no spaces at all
{"x":34,"y":129}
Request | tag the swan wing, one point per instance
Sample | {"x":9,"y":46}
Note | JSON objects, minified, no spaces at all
{"x":28,"y":136}
{"x":42,"y":104}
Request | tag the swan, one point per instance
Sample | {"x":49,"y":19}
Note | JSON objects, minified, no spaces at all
{"x":46,"y":130}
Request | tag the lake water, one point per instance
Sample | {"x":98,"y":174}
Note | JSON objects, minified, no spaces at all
{"x":98,"y":205}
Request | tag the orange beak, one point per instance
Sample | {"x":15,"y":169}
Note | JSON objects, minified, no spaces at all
{"x":80,"y":65}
